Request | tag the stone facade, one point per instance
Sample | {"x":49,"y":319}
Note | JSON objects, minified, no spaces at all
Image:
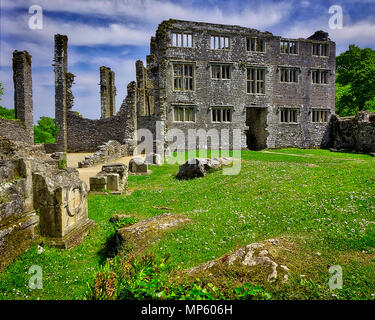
{"x":257,"y":115}
{"x":355,"y":133}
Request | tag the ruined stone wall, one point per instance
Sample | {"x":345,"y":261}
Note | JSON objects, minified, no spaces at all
{"x":18,"y":219}
{"x":355,"y":133}
{"x":210,"y":92}
{"x":86,"y":135}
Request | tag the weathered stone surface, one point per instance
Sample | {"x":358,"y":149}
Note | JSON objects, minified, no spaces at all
{"x":112,"y":177}
{"x":355,"y":133}
{"x":138,"y":165}
{"x":61,"y":198}
{"x":98,"y":183}
{"x":252,"y":255}
{"x":144,"y":232}
{"x":198,"y":167}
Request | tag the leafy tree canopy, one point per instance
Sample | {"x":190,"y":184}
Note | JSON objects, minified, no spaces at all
{"x":355,"y":81}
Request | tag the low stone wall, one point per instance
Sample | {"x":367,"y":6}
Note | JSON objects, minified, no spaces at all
{"x":14,"y":130}
{"x":355,"y":133}
{"x":111,"y":150}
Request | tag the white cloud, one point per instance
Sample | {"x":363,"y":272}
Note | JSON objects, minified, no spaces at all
{"x":151,"y":12}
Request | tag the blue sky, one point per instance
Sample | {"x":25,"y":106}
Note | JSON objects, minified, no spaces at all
{"x":116,"y":33}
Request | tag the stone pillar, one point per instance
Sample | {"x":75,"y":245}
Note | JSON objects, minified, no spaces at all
{"x":61,"y":68}
{"x":23,"y":92}
{"x":107,"y":92}
{"x":140,"y":76}
{"x":129,"y":109}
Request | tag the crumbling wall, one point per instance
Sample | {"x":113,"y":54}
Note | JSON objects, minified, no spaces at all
{"x":38,"y":201}
{"x":109,"y":151}
{"x":18,"y":218}
{"x":355,"y":133}
{"x":86,"y":135}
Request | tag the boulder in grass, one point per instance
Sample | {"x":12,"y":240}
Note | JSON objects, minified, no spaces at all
{"x":198,"y":167}
{"x":259,"y":259}
{"x":194,"y":168}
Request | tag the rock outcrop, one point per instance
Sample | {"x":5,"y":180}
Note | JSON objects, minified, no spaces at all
{"x":263,"y":255}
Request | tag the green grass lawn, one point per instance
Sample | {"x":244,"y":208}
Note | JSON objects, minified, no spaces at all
{"x":321,"y":201}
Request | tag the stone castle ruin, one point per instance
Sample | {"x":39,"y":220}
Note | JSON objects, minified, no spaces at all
{"x":277,"y":92}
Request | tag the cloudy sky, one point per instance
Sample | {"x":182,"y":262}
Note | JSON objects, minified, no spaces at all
{"x":116,"y":33}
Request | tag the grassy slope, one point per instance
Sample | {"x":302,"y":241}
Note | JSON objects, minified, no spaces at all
{"x":322,"y":201}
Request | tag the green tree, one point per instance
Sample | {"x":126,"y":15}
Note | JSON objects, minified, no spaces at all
{"x":355,"y":81}
{"x":45,"y":131}
{"x":4,"y":112}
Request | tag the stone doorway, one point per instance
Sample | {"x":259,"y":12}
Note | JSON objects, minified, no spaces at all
{"x":256,"y":120}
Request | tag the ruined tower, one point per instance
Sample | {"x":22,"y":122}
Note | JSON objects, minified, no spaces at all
{"x":61,"y":67}
{"x":107,"y":92}
{"x":23,"y":94}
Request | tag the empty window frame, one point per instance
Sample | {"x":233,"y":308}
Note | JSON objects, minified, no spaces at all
{"x":184,"y":113}
{"x":220,"y":71}
{"x":319,"y":76}
{"x":181,"y":39}
{"x":221,"y":114}
{"x":255,"y":45}
{"x":319,"y":115}
{"x":289,"y":46}
{"x":320,"y":49}
{"x":289,"y":75}
{"x":183,"y":77}
{"x":288,"y":115}
{"x":219,"y":42}
{"x":255,"y":80}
